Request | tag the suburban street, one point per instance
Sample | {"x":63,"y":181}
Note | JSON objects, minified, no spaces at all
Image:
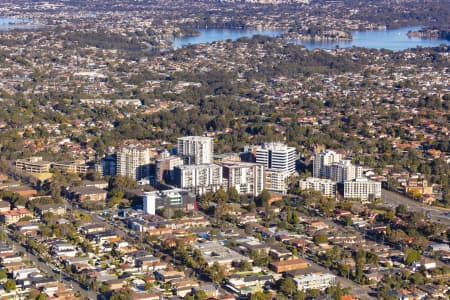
{"x":439,"y":215}
{"x":362,"y":292}
{"x":65,"y":278}
{"x":356,"y":289}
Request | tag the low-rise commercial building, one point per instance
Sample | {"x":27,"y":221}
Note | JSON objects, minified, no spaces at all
{"x":62,"y":249}
{"x":169,"y":199}
{"x":33,"y":165}
{"x":214,"y":252}
{"x":317,"y":281}
{"x":289,"y":265}
{"x":76,"y":167}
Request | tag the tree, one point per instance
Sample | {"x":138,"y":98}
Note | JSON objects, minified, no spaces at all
{"x":389,"y":215}
{"x":295,"y":220}
{"x":105,"y":288}
{"x":120,"y":183}
{"x":347,"y":221}
{"x":288,"y":214}
{"x":344,"y":270}
{"x":252,"y":206}
{"x":264,"y":197}
{"x":233,"y":195}
{"x":3,"y":274}
{"x":287,"y":286}
{"x":417,"y":278}
{"x":10,"y":285}
{"x":148,"y":286}
{"x":178,"y":214}
{"x":244,"y":266}
{"x":320,"y":238}
{"x":360,"y":257}
{"x":412,"y":256}
{"x":115,"y":199}
{"x":221,"y":196}
{"x":123,"y":294}
{"x":200,"y":295}
{"x":401,"y":209}
{"x":336,"y":291}
{"x":314,"y":293}
{"x":41,"y":296}
{"x":216,"y":273}
{"x":260,"y":296}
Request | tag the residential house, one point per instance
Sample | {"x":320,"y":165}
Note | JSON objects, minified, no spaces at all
{"x":82,"y":194}
{"x":14,"y":216}
{"x":55,"y":209}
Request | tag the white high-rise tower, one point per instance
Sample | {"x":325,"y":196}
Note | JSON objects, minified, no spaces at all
{"x":196,"y":150}
{"x":323,"y":161}
{"x":149,"y":201}
{"x":133,"y":161}
{"x":277,"y":156}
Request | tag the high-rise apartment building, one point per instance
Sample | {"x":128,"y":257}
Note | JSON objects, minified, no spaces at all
{"x":276,"y":180}
{"x":322,"y":162}
{"x":196,"y":150}
{"x":107,"y":165}
{"x":165,"y":166}
{"x":362,"y":188}
{"x":199,"y":178}
{"x":277,"y":156}
{"x":344,"y":171}
{"x":133,"y":161}
{"x":246,"y":178}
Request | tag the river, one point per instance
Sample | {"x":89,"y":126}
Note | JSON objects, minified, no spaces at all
{"x":393,"y":39}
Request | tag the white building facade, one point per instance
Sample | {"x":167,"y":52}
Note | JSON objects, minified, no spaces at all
{"x":133,"y":161}
{"x":362,"y":188}
{"x":317,"y":281}
{"x":344,"y":170}
{"x":323,"y":161}
{"x":199,"y":178}
{"x":149,"y":202}
{"x":276,"y":180}
{"x":196,"y":150}
{"x":277,"y":156}
{"x":326,"y":187}
{"x":246,"y":178}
